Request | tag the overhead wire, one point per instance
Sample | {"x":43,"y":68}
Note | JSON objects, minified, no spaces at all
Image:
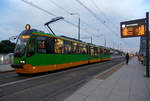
{"x":34,"y":5}
{"x":99,"y":19}
{"x":104,"y":15}
{"x":62,"y":8}
{"x":68,"y":12}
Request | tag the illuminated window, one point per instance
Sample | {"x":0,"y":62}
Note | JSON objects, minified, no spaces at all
{"x":67,"y":47}
{"x":91,"y":50}
{"x":41,"y":44}
{"x":59,"y":46}
{"x":84,"y":49}
{"x":79,"y":48}
{"x":74,"y":47}
{"x":45,"y":45}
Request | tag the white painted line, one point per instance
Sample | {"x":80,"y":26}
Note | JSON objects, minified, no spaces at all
{"x":19,"y":81}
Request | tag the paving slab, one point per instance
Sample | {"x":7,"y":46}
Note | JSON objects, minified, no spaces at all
{"x":126,"y":84}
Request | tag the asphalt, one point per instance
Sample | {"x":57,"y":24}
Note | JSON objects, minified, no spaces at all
{"x":52,"y":86}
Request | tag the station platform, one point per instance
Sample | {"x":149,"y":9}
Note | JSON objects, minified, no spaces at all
{"x":128,"y":83}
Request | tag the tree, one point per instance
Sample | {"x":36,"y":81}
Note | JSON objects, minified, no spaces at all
{"x":6,"y":46}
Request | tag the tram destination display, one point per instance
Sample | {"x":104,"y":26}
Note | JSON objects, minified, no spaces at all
{"x":133,"y":28}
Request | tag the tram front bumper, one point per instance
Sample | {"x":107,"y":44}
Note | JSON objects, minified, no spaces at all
{"x":17,"y":65}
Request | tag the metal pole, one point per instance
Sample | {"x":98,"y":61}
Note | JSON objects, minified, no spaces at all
{"x":147,"y":44}
{"x":113,"y":45}
{"x":91,"y":39}
{"x":78,"y":23}
{"x":79,"y":29}
{"x":88,"y":53}
{"x":105,"y":41}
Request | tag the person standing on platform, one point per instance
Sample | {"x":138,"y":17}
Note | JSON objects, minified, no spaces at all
{"x":127,"y":58}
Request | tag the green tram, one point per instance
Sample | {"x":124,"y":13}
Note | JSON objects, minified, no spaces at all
{"x":37,"y":51}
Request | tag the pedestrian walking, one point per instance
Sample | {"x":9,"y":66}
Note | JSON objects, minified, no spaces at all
{"x":142,"y":59}
{"x":127,"y":58}
{"x":139,"y":59}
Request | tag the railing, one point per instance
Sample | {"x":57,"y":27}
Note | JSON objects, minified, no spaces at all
{"x":6,"y":58}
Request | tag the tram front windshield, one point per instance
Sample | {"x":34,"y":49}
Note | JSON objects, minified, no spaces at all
{"x":21,"y":44}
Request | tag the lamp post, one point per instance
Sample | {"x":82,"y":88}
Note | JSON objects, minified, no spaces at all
{"x":78,"y":23}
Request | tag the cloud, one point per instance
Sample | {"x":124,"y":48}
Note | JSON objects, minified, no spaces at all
{"x":17,"y":14}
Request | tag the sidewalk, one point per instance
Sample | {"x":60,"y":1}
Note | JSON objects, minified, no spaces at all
{"x":126,"y":84}
{"x":6,"y":68}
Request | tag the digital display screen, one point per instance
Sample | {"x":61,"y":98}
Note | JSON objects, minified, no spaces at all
{"x":133,"y":28}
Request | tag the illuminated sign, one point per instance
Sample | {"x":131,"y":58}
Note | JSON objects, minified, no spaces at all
{"x":25,"y":36}
{"x":133,"y":28}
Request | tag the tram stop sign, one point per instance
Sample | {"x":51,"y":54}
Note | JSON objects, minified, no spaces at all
{"x":133,"y":28}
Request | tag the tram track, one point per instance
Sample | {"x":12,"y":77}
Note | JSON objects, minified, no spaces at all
{"x":52,"y":84}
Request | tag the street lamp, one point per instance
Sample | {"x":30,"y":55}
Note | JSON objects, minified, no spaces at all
{"x":78,"y":23}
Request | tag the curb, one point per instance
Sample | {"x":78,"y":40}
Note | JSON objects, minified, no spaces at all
{"x":7,"y":71}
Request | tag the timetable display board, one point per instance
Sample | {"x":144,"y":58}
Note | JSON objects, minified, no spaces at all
{"x":133,"y":28}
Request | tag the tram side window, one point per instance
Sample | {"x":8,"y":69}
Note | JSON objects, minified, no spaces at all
{"x":74,"y":47}
{"x":101,"y":50}
{"x":95,"y":51}
{"x":59,"y":46}
{"x":105,"y":51}
{"x":31,"y":47}
{"x":84,"y":49}
{"x":91,"y":51}
{"x":45,"y":45}
{"x":67,"y":47}
{"x":98,"y":50}
{"x":41,"y":44}
{"x":79,"y":48}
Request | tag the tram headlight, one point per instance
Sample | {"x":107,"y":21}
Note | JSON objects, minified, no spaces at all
{"x":22,"y":61}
